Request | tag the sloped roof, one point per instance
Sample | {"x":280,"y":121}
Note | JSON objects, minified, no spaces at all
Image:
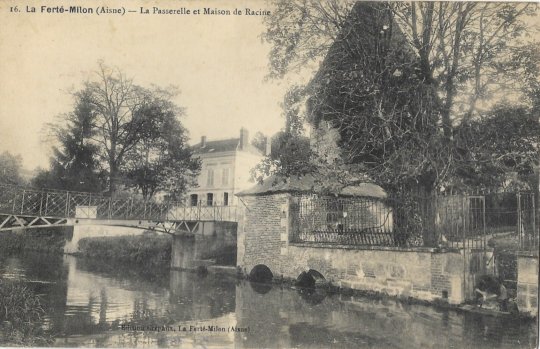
{"x":308,"y":184}
{"x":223,"y":145}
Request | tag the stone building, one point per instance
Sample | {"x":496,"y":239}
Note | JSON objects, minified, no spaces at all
{"x":359,"y":252}
{"x":225,"y":169}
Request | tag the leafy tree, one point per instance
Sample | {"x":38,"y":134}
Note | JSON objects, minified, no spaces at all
{"x":162,"y":160}
{"x":499,"y":150}
{"x":121,"y":134}
{"x":10,"y":169}
{"x":462,"y":47}
{"x":259,"y":141}
{"x":396,"y":78}
{"x":369,"y":99}
{"x":291,"y":151}
{"x":524,"y":69}
{"x":74,"y":165}
{"x":124,"y":114}
{"x":290,"y":156}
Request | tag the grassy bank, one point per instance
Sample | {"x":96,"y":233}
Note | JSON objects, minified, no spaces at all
{"x":49,"y":240}
{"x":147,"y":251}
{"x":21,"y":316}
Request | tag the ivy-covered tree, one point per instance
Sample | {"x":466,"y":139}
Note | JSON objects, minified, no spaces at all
{"x":397,"y":79}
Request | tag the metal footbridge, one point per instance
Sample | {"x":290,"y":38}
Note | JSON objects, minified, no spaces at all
{"x":24,"y":208}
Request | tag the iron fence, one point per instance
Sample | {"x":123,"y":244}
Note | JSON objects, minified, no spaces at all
{"x":351,"y":221}
{"x":458,"y":221}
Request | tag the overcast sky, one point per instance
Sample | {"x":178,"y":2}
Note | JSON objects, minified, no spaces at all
{"x":217,"y":62}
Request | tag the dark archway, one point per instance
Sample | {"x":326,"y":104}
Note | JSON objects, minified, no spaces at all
{"x":261,"y":273}
{"x":310,"y":279}
{"x":261,"y":288}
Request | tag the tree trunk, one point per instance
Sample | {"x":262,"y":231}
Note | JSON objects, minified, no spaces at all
{"x":112,"y":177}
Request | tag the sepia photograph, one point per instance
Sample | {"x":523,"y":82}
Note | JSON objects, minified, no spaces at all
{"x":269,"y":174}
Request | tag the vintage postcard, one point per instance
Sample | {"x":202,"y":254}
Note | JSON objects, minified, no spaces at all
{"x":269,"y":174}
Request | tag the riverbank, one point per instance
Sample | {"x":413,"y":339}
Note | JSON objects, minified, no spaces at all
{"x":49,"y":240}
{"x":151,"y":252}
{"x":21,"y":316}
{"x":88,"y":300}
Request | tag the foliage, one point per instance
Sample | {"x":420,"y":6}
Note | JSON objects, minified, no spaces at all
{"x":259,"y":141}
{"x":397,"y":80}
{"x":21,"y":315}
{"x":464,"y":49}
{"x":50,"y":240}
{"x":461,"y":47}
{"x":122,"y":133}
{"x":503,"y":142}
{"x":10,"y":168}
{"x":162,"y":160}
{"x":149,"y":251}
{"x":524,"y":68}
{"x":290,"y":156}
{"x":291,"y":151}
{"x":74,"y":165}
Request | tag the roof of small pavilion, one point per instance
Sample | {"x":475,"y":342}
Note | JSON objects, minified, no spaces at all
{"x":310,"y":185}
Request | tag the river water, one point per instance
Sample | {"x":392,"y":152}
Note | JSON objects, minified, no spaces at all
{"x":93,"y":304}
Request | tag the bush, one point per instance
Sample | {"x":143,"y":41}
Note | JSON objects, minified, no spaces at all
{"x":146,"y":250}
{"x":21,"y":315}
{"x":38,"y":239}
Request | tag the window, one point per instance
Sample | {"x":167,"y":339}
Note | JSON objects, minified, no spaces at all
{"x":210,"y":177}
{"x":194,"y":199}
{"x":225,"y":199}
{"x":225,"y":177}
{"x":209,"y":199}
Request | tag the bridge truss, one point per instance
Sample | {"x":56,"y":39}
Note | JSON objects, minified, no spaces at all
{"x":31,"y":208}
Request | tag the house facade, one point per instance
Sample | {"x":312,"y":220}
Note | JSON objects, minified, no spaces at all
{"x":225,"y":170}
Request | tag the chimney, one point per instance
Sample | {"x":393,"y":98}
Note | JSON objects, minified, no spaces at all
{"x":244,"y":138}
{"x":268,"y":149}
{"x":203,"y":141}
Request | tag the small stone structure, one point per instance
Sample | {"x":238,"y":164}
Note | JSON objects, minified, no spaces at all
{"x":204,"y":247}
{"x":423,"y":273}
{"x":527,"y":283}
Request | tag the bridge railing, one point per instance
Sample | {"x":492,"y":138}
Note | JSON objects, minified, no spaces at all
{"x":49,"y":203}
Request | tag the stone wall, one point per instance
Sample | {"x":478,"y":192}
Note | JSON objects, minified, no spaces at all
{"x":527,"y":283}
{"x":423,"y":273}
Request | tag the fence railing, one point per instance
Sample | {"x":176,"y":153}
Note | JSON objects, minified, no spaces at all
{"x":461,"y":221}
{"x":65,"y":204}
{"x":351,"y":221}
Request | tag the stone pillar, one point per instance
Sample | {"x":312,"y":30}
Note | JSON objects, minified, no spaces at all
{"x":184,"y":252}
{"x":527,"y":284}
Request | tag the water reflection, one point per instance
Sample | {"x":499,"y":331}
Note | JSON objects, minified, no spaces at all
{"x":88,"y":302}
